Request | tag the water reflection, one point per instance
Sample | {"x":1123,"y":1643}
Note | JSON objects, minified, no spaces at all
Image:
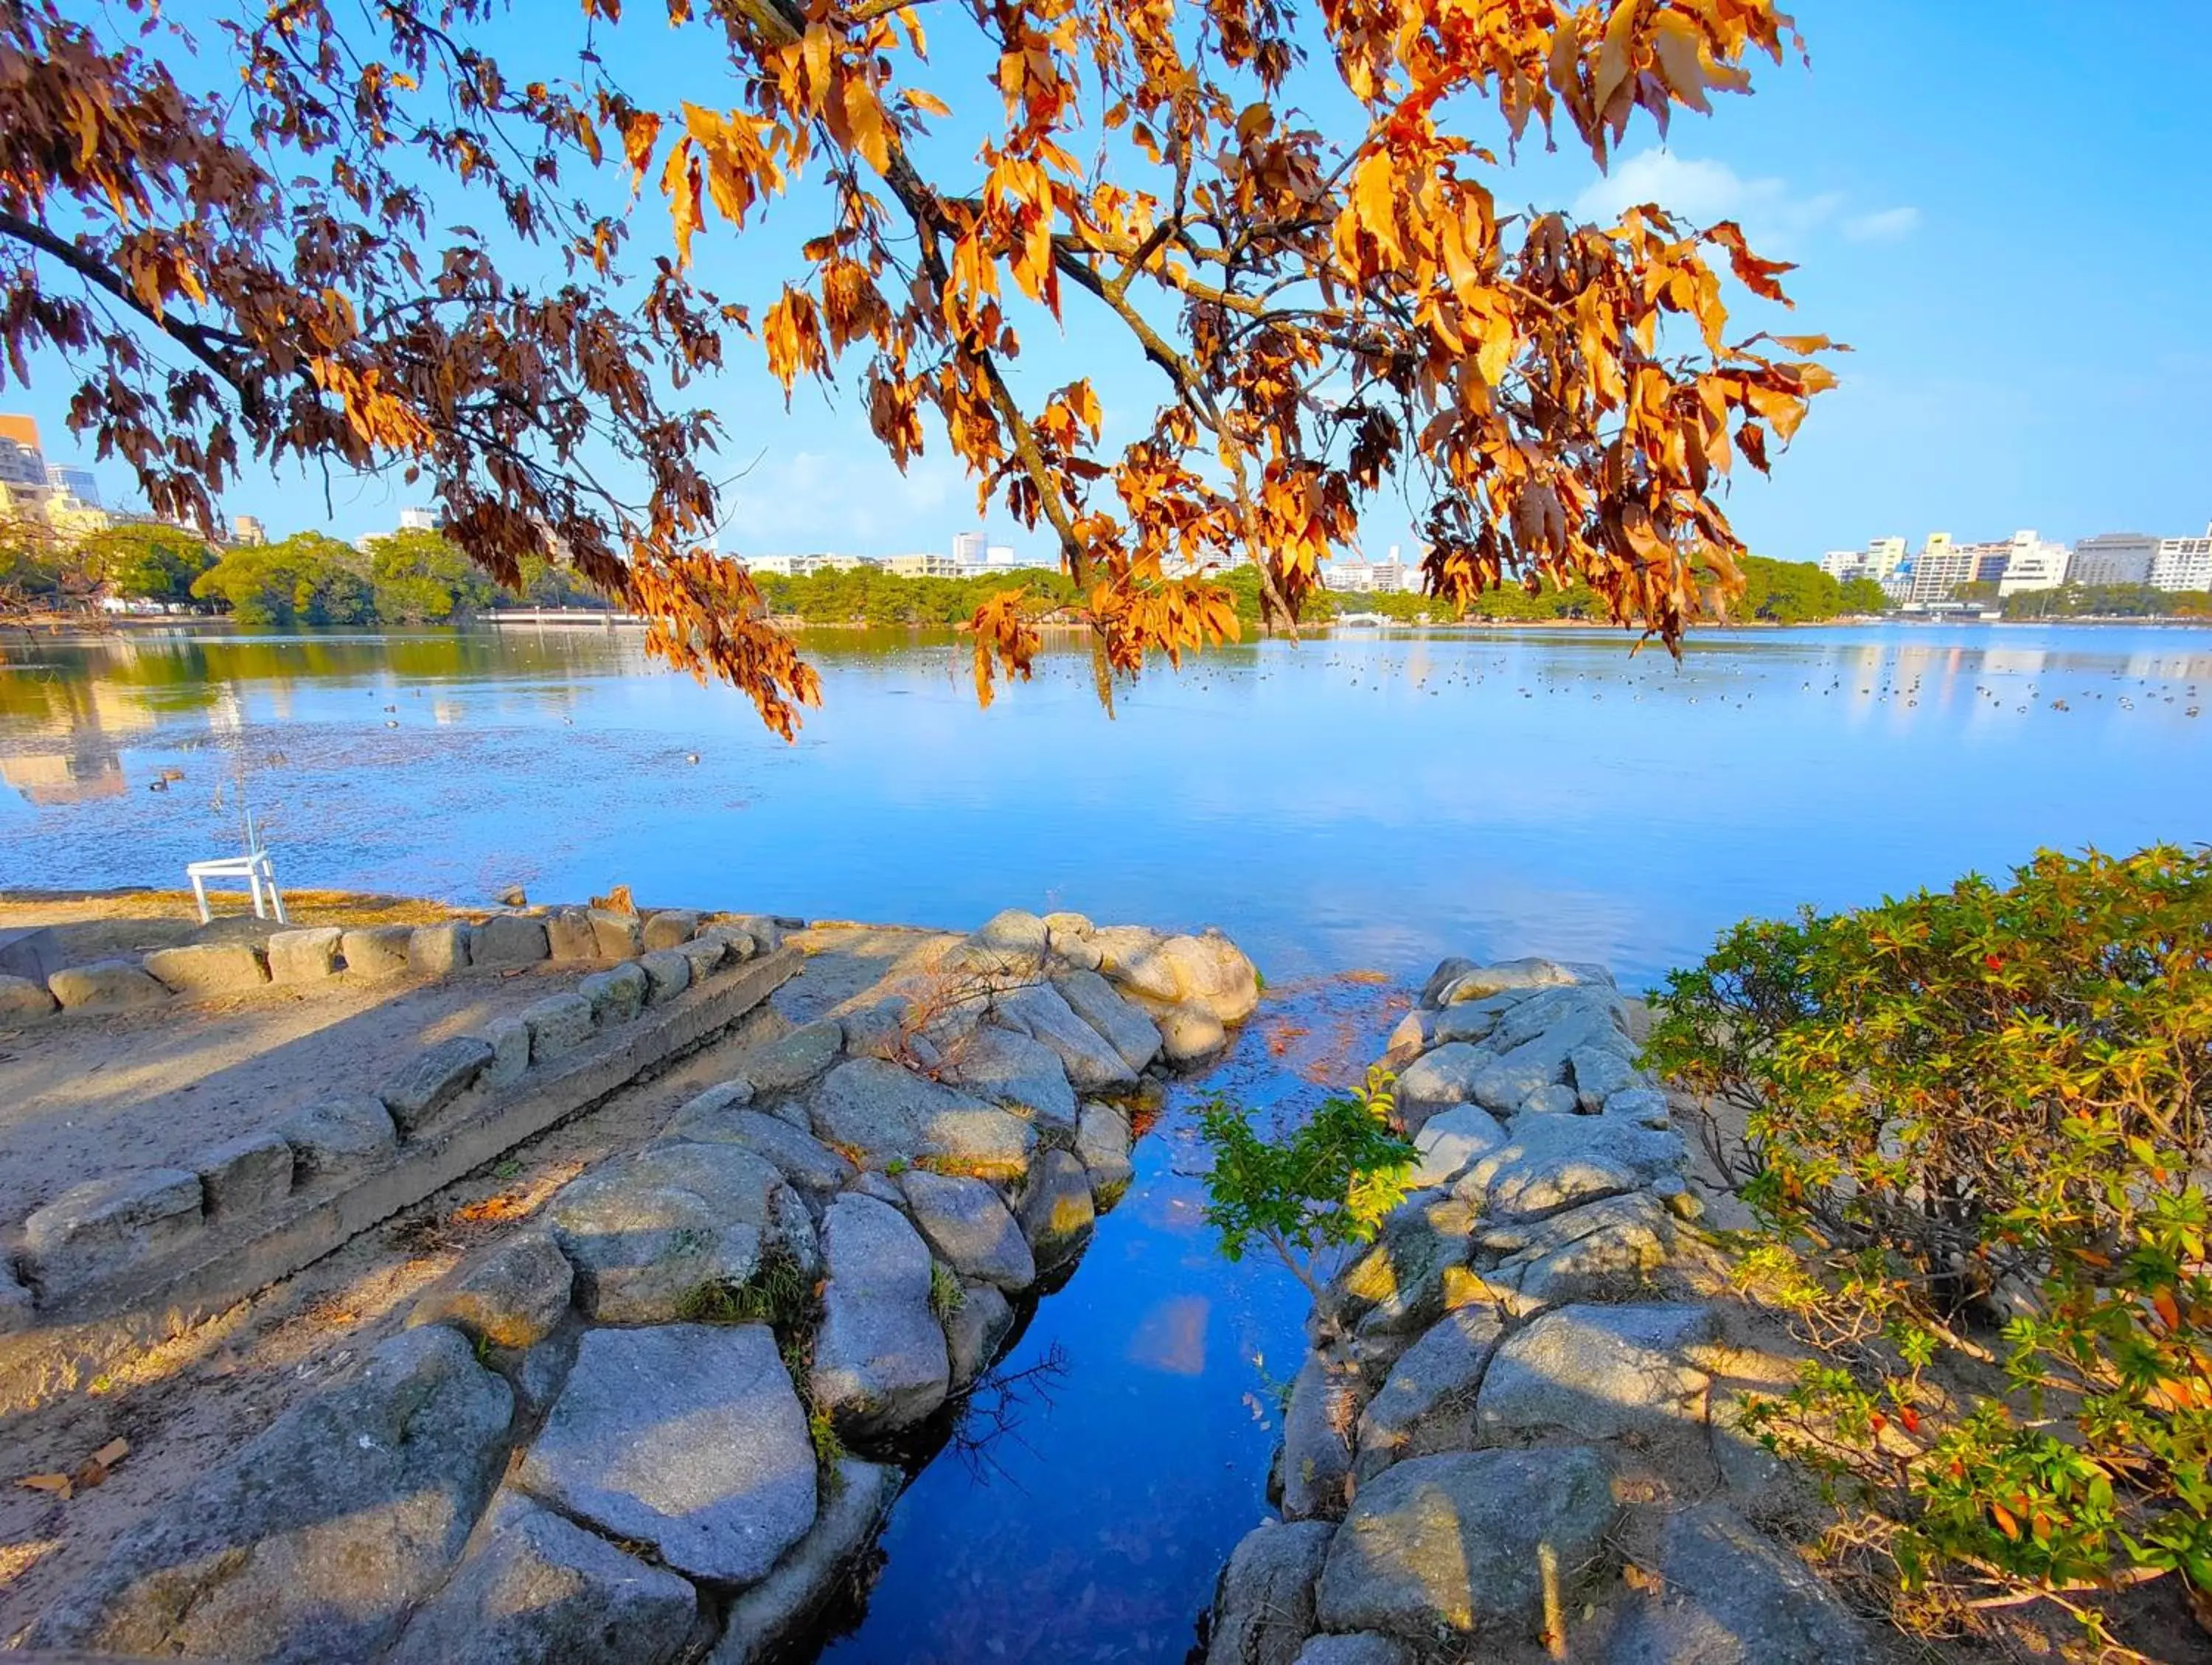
{"x":1377,"y":799}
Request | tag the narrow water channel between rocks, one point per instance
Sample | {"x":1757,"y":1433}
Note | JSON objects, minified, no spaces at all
{"x":1083,"y":1509}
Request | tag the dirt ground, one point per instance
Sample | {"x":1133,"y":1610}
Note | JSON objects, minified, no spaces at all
{"x":186,"y":1405}
{"x":81,"y":1096}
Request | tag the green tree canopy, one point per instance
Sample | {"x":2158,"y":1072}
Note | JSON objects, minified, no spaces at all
{"x":419,"y":578}
{"x":148,"y":563}
{"x":308,"y":578}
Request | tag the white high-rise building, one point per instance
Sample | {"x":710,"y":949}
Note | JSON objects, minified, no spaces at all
{"x":418,"y":519}
{"x":2183,"y":563}
{"x":969,"y":549}
{"x":2033,"y":564}
{"x":1940,"y":567}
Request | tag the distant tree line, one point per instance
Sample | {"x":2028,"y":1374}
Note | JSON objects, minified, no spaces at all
{"x":404,"y":578}
{"x":2094,"y":601}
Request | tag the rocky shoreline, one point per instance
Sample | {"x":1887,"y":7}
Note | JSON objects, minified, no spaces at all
{"x":658,"y":1423}
{"x":1515,"y":1434}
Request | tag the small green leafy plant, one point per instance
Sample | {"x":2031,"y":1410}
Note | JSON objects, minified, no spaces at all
{"x":1976,"y":1126}
{"x":946,"y":1297}
{"x":1324,"y":1188}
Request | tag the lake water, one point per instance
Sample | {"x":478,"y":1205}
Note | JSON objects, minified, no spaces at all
{"x":1364,"y":804}
{"x":1364,"y":801}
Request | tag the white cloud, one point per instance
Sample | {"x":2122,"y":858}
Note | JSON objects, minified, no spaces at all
{"x":1888,"y":225}
{"x":1773,"y":216}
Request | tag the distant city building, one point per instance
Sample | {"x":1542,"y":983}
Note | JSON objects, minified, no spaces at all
{"x":418,"y":519}
{"x":75,"y":482}
{"x":2183,"y":563}
{"x":247,"y":531}
{"x":1939,"y":568}
{"x":1883,"y":560}
{"x":2113,"y":559}
{"x":22,"y":466}
{"x":805,"y":566}
{"x":998,"y":555}
{"x":932,"y":565}
{"x":2026,"y":561}
{"x":969,"y":549}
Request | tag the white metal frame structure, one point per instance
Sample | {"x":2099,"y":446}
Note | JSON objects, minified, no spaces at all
{"x":254,"y":868}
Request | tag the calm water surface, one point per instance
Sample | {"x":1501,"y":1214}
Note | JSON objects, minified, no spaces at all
{"x":1368,"y":803}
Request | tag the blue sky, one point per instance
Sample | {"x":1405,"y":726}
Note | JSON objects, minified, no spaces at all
{"x":2003,"y":205}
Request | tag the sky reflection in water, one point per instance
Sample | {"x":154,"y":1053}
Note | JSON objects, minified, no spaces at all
{"x":1365,"y":802}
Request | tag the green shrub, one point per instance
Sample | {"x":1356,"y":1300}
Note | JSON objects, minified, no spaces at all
{"x":1973,"y":1124}
{"x":1325,"y":1187}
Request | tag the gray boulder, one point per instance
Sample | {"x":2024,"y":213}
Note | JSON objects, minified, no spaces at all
{"x":1211,"y":972}
{"x":1398,"y":1282}
{"x":1010,"y":943}
{"x":433,"y":1079}
{"x":1474,"y":1020}
{"x":788,"y":1064}
{"x":339,"y":1139}
{"x":203,"y":970}
{"x":1598,"y":1072}
{"x":1603,"y":1249}
{"x":1726,"y":1595}
{"x":803,"y":1159}
{"x":1191,"y":1036}
{"x":558,"y":1024}
{"x":104,"y":985}
{"x":304,"y":956}
{"x":1553,"y":1162}
{"x":1598,"y":1372}
{"x":688,"y":1438}
{"x":669,"y":928}
{"x":1125,"y":1027}
{"x":24,"y":1001}
{"x":887,"y":1112}
{"x":1359,"y":1648}
{"x":1449,"y":1141}
{"x":1090,"y":1061}
{"x":880,"y":1357}
{"x":1057,"y":1213}
{"x":1448,"y":972}
{"x":1263,"y":1606}
{"x":705,"y":955}
{"x":510,"y":1041}
{"x":1427,"y":1404}
{"x":1647,"y":1107}
{"x":1101,"y":1145}
{"x":621,"y":936}
{"x":974,"y":1331}
{"x":1415,"y":1034}
{"x":94,"y":1228}
{"x":1458,"y":1546}
{"x":1479,"y":982}
{"x":971,"y":1229}
{"x":1558,"y":1099}
{"x":1317,"y":1428}
{"x":773,"y":1612}
{"x":539,"y":1590}
{"x":376,"y":952}
{"x":1524,"y":1064}
{"x":512,"y":1295}
{"x":438,"y":950}
{"x":245,"y":1174}
{"x":507,"y":940}
{"x":649,"y":1232}
{"x":1438,"y":1081}
{"x":1006,"y":1067}
{"x":317,"y":1538}
{"x":616,"y":995}
{"x":667,"y":973}
{"x":569,"y":936}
